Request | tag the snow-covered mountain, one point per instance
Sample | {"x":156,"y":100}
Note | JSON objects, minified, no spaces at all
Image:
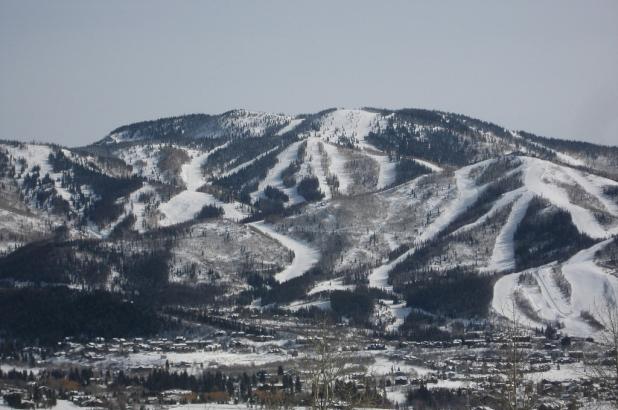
{"x":282,"y":210}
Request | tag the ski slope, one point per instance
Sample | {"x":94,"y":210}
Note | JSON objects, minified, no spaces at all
{"x":187,"y":204}
{"x":305,"y":257}
{"x":329,"y":286}
{"x":191,"y":172}
{"x":591,"y":286}
{"x":350,"y":125}
{"x":291,"y":126}
{"x":467,"y":193}
{"x":273,"y":177}
{"x":503,"y":254}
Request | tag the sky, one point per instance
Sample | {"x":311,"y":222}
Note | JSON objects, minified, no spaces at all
{"x":73,"y":70}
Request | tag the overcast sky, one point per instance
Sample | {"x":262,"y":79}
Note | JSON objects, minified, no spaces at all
{"x":71,"y":71}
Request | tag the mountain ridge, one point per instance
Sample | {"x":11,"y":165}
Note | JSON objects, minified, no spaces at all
{"x":390,"y":199}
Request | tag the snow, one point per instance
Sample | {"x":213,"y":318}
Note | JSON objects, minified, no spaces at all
{"x":383,"y":365}
{"x":291,"y":126}
{"x":36,"y":154}
{"x":313,"y":165}
{"x":569,"y":371}
{"x":467,"y":194}
{"x":591,"y":286}
{"x":593,"y":185}
{"x":503,"y":255}
{"x":322,"y":304}
{"x":185,"y":206}
{"x":388,"y":170}
{"x":568,"y":159}
{"x":541,"y":178}
{"x":348,"y":124}
{"x":429,"y":165}
{"x":206,"y":358}
{"x":353,"y":126}
{"x":253,"y":123}
{"x":399,"y":312}
{"x":143,"y":159}
{"x":132,"y":205}
{"x":305,"y":257}
{"x":246,"y":164}
{"x":329,"y":286}
{"x":60,"y":405}
{"x":337,"y":167}
{"x":565,"y":158}
{"x":191,"y":172}
{"x":273,"y":177}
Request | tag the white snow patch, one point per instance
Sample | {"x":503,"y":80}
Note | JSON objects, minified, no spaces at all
{"x":467,"y":193}
{"x":329,"y":286}
{"x":337,"y":167}
{"x":348,"y":124}
{"x":503,"y":255}
{"x":291,"y":126}
{"x":273,"y":178}
{"x":305,"y":257}
{"x":591,"y":285}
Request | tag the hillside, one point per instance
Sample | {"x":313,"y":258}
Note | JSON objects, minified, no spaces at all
{"x":294,"y":212}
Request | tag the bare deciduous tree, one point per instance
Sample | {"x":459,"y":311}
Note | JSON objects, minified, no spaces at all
{"x":604,"y":366}
{"x":517,"y":393}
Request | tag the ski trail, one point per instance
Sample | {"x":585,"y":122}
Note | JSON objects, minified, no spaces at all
{"x":591,"y":286}
{"x":467,"y":194}
{"x":305,"y":257}
{"x":503,"y":254}
{"x":273,"y":178}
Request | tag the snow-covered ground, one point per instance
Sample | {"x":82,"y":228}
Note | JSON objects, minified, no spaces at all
{"x":273,"y":177}
{"x":351,"y":125}
{"x":191,"y":172}
{"x":185,"y":206}
{"x":590,"y":287}
{"x":244,"y":165}
{"x":305,"y":257}
{"x":388,"y":170}
{"x":312,"y":166}
{"x":467,"y":193}
{"x":543,"y":179}
{"x":329,"y":286}
{"x":37,"y":155}
{"x":503,"y":255}
{"x":322,"y":304}
{"x":291,"y":126}
{"x":429,"y":165}
{"x":391,"y":315}
{"x":196,"y":360}
{"x":337,"y":166}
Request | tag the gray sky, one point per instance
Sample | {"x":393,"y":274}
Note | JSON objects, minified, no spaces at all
{"x":70,"y":71}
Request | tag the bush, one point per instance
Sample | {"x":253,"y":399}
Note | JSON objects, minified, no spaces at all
{"x":275,"y":194}
{"x":546,"y":234}
{"x":309,"y":188}
{"x":50,"y":314}
{"x":356,"y":305}
{"x":267,"y":206}
{"x":457,"y":294}
{"x":209,"y":211}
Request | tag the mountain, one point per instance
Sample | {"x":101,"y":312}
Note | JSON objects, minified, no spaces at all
{"x":459,"y":217}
